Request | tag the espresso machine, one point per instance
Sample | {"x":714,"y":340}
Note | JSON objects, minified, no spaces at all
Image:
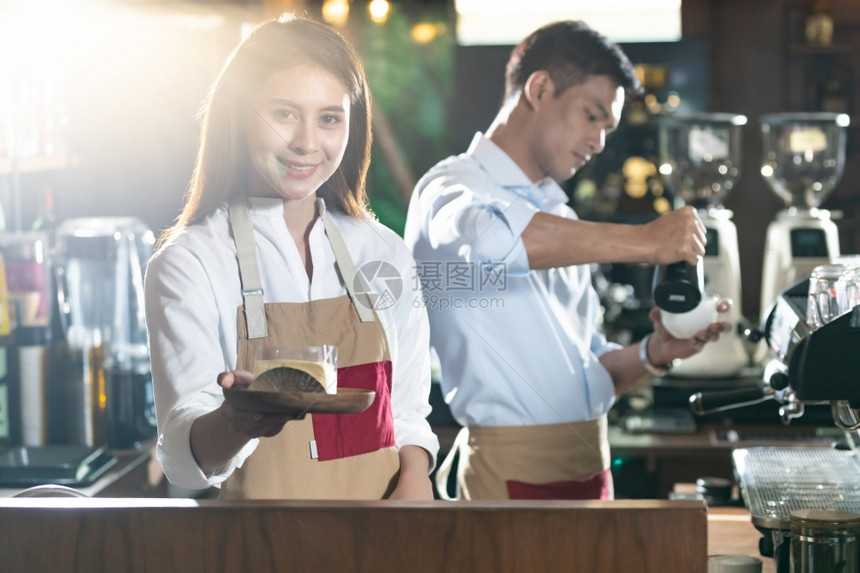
{"x":700,"y":159}
{"x":803,"y":160}
{"x":807,"y":368}
{"x":103,"y":373}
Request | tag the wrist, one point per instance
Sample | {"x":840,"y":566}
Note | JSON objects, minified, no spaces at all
{"x":414,"y":460}
{"x":654,"y":368}
{"x":653,"y":350}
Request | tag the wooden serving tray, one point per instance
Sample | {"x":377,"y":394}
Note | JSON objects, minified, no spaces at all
{"x":346,"y":401}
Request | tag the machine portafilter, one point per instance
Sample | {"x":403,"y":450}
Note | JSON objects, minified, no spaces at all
{"x":809,"y":366}
{"x":789,"y":312}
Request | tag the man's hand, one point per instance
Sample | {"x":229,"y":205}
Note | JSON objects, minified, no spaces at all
{"x":675,"y":236}
{"x":663,"y":347}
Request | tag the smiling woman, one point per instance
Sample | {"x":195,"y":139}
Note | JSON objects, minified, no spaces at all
{"x":297,"y":132}
{"x":254,"y":82}
{"x":275,"y":224}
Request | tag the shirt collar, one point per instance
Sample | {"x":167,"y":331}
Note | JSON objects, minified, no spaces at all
{"x":267,"y":206}
{"x":545,"y":194}
{"x":274,"y":206}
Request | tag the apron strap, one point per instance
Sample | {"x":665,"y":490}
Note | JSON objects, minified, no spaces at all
{"x":360,"y":301}
{"x":444,"y":470}
{"x":249,"y":269}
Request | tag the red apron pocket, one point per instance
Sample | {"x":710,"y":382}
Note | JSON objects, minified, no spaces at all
{"x":597,"y":486}
{"x":344,"y":435}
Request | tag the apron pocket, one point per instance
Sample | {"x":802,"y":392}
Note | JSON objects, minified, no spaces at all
{"x":344,"y":435}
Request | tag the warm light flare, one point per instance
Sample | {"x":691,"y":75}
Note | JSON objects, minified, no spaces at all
{"x":64,"y":60}
{"x":426,"y":32}
{"x":673,"y":101}
{"x":336,"y":12}
{"x":662,"y":205}
{"x":379,"y":10}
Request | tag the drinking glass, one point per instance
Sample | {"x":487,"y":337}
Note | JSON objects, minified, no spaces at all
{"x":827,"y":295}
{"x":851,"y":276}
{"x":318,"y":361}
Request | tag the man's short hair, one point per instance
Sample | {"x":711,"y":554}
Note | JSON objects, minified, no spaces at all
{"x":570,"y":52}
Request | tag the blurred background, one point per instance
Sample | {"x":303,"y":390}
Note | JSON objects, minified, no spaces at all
{"x":98,"y":98}
{"x":98,"y":134}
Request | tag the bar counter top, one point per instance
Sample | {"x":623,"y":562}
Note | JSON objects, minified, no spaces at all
{"x":731,"y":532}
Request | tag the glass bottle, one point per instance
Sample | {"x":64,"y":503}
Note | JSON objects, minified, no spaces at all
{"x":819,"y":25}
{"x":6,"y":363}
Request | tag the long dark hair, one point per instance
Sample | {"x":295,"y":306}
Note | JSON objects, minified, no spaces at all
{"x":222,"y":164}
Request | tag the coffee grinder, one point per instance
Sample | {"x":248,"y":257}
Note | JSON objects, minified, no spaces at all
{"x":804,"y":155}
{"x":700,"y":159}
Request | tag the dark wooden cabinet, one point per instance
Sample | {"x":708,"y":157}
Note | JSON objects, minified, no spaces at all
{"x":819,"y":78}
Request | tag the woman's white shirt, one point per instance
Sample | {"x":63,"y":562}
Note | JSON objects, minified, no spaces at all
{"x":193,"y":292}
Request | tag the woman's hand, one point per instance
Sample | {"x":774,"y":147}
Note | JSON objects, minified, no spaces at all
{"x":413,"y":482}
{"x":219,"y":435}
{"x":663,"y":347}
{"x":245,"y":423}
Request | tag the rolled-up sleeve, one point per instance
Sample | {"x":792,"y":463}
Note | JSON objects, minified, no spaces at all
{"x":183,"y":327}
{"x":475,"y":227}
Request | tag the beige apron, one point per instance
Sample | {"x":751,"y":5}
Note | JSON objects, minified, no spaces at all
{"x":323,"y":456}
{"x":549,"y":461}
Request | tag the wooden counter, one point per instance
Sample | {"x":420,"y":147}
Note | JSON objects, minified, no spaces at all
{"x":139,"y":536}
{"x":730,"y":532}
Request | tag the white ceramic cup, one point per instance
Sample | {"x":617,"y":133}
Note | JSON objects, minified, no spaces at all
{"x":686,"y":324}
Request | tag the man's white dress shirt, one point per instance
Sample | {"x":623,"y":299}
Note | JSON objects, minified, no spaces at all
{"x":516,"y":346}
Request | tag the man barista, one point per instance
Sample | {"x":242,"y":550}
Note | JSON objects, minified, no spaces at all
{"x":505,"y":269}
